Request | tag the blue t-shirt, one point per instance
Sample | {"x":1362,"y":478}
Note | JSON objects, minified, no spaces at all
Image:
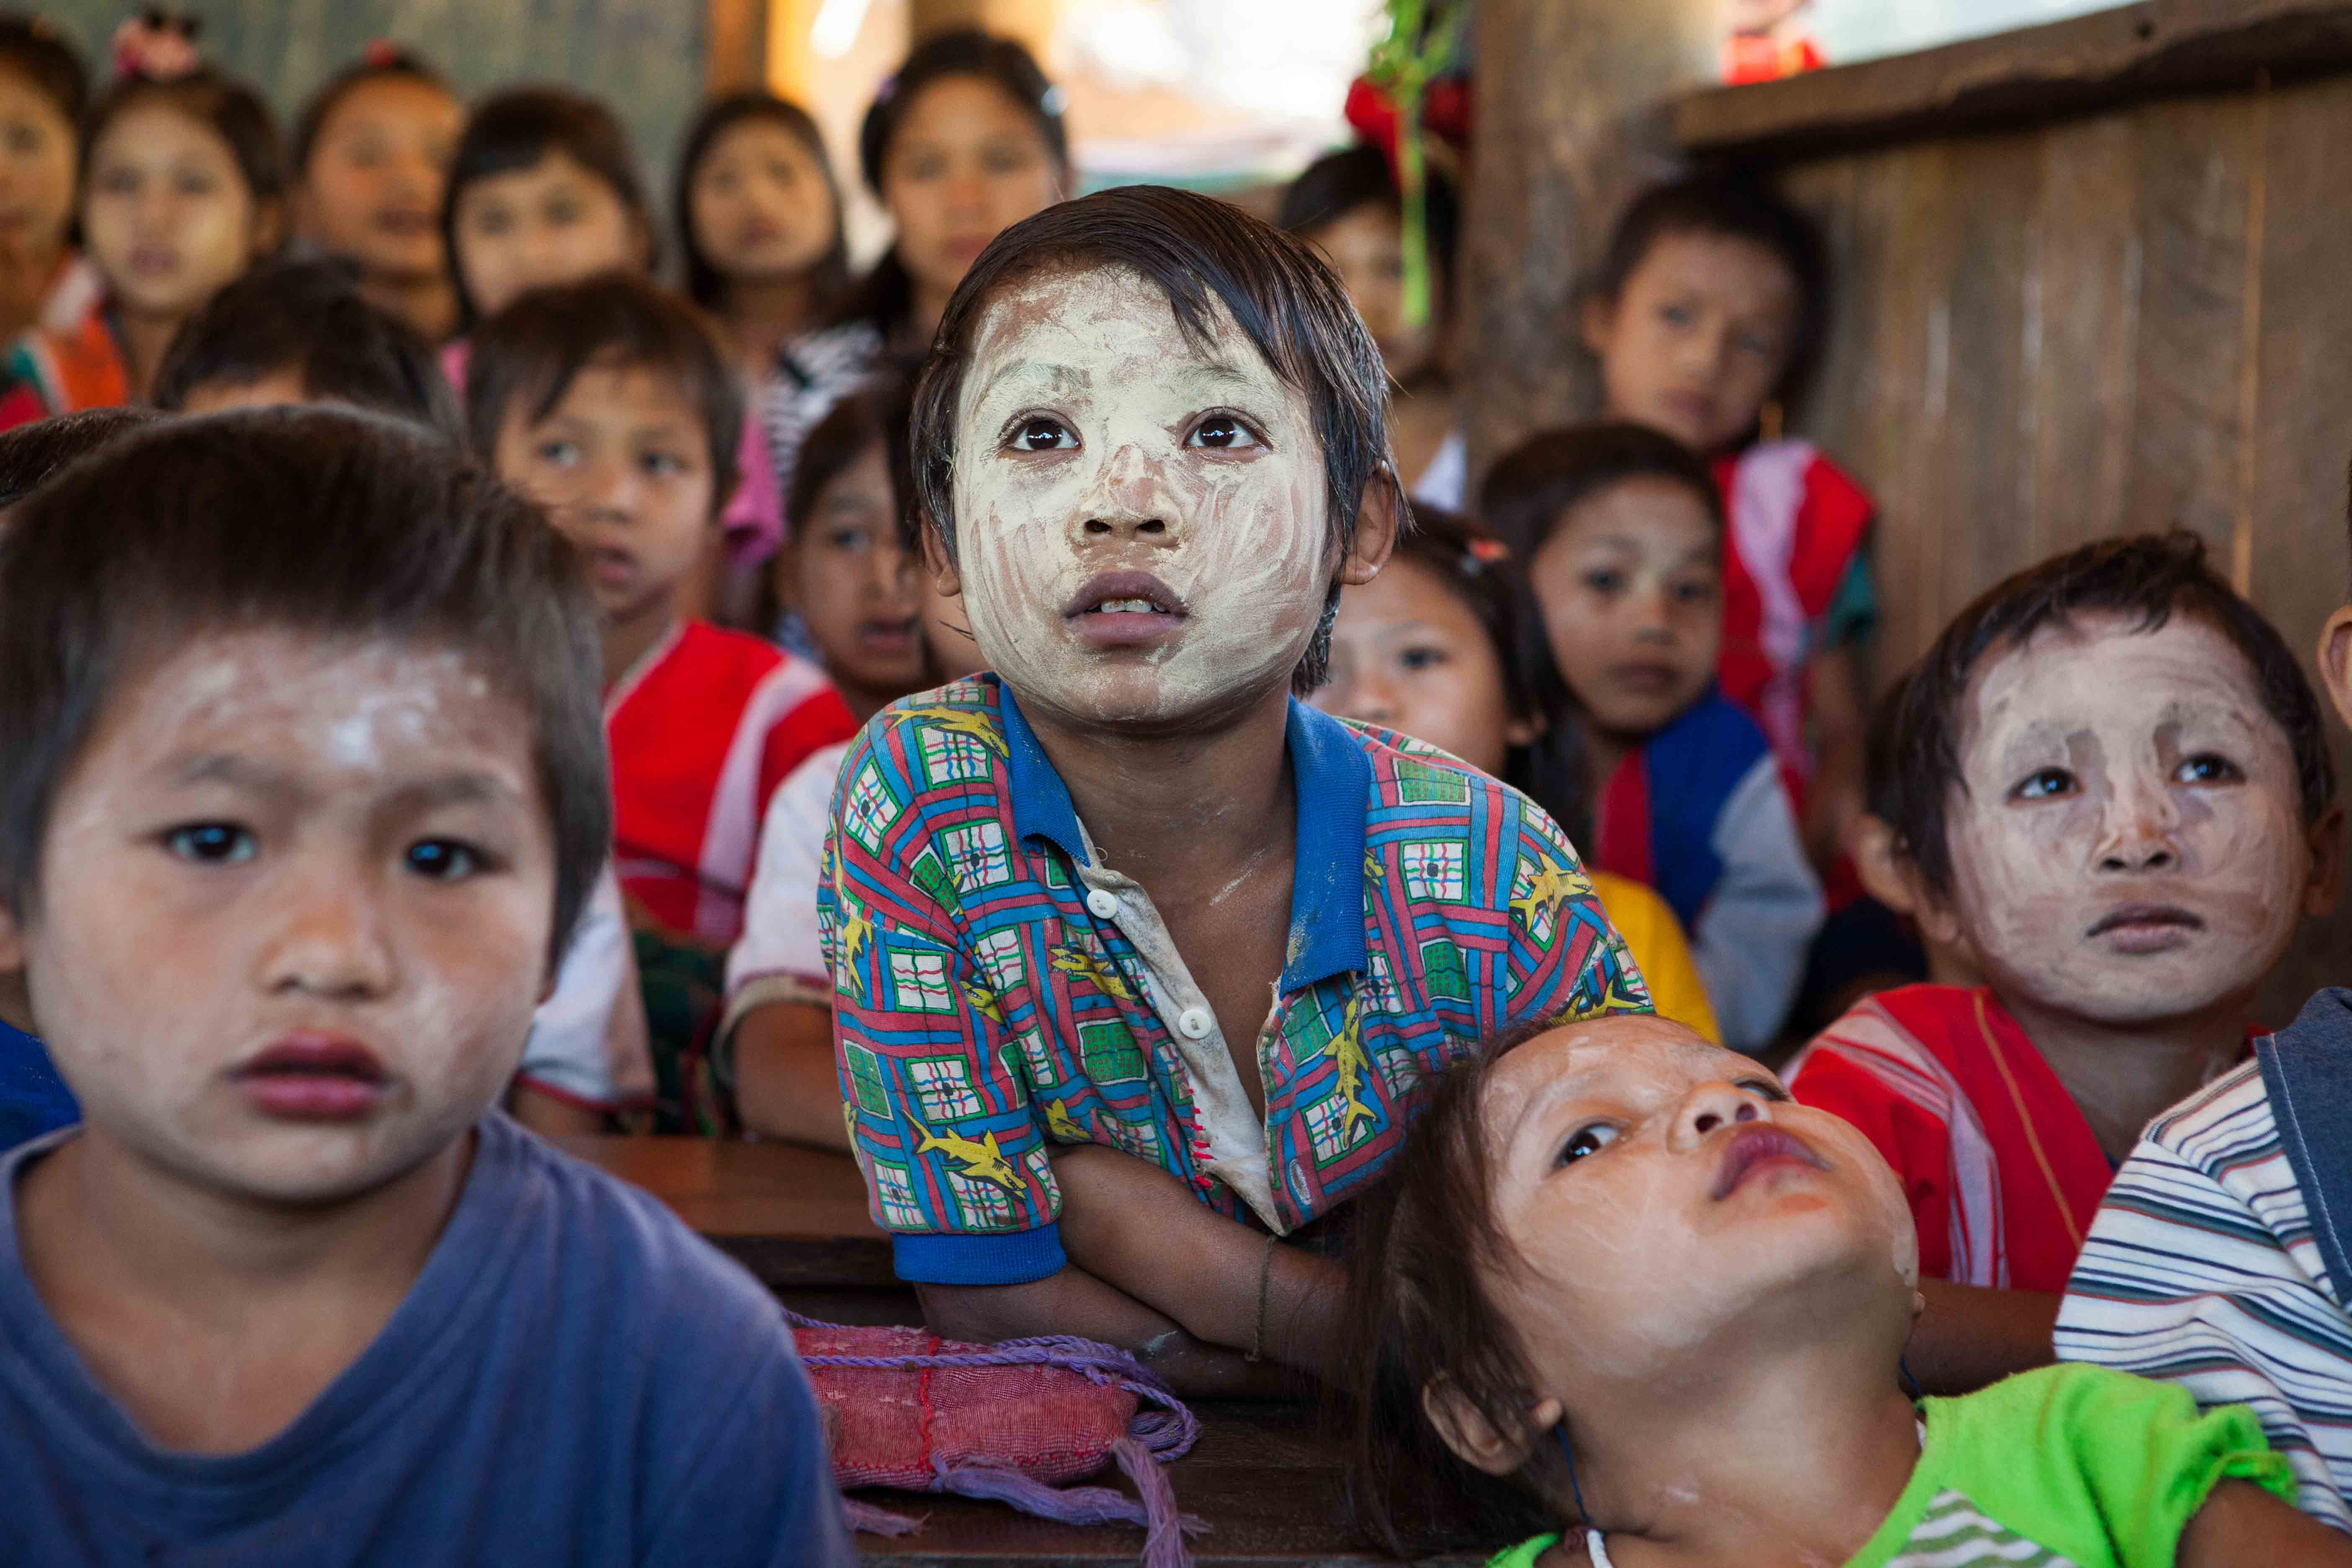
{"x":575,"y":1378}
{"x":33,"y":1099}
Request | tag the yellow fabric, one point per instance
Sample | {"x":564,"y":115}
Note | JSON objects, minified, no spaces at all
{"x":1660,"y":951}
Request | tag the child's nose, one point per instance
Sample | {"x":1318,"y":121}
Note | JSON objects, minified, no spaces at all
{"x":328,"y":941}
{"x":1131,"y":501}
{"x":1709,"y":1106}
{"x":2139,"y":830}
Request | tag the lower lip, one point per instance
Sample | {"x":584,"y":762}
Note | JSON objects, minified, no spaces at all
{"x":1648,"y":680}
{"x":2150,"y":936}
{"x":611,"y":572}
{"x":874,"y":640}
{"x":1126,"y":628}
{"x":1697,"y":410}
{"x":312,"y":1097}
{"x":1769,"y":1162}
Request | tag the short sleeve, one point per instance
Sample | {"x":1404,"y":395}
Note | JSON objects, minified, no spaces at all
{"x":567,"y":1053}
{"x":1915,"y":1142}
{"x":821,"y":719}
{"x":779,"y":956}
{"x":1567,"y":961}
{"x":940,"y":1114}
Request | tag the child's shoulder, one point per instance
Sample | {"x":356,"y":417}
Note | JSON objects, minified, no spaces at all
{"x":727,"y":666}
{"x":1410,"y":773}
{"x":1794,"y":468}
{"x":953,"y":735}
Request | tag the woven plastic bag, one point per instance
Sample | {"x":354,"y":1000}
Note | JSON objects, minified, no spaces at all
{"x":1016,"y":1422}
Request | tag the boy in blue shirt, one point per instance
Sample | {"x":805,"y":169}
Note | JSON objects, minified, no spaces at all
{"x":1137,"y":960}
{"x":301,"y":792}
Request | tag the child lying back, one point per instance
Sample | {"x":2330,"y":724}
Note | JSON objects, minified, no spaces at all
{"x":1622,"y":1272}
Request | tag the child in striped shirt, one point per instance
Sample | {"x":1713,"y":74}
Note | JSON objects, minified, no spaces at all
{"x":2218,"y":1260}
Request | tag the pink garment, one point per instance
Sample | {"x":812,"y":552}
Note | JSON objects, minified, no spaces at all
{"x":754,"y":519}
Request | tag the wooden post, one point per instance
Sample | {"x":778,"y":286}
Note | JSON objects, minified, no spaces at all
{"x":1571,"y":116}
{"x":735,"y":54}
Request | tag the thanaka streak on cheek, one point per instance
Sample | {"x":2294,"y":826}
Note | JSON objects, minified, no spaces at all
{"x":2218,"y":869}
{"x":1240,"y":535}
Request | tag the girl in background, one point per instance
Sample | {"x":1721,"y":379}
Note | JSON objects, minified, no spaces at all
{"x":42,"y":91}
{"x":1444,"y":647}
{"x":371,"y":154}
{"x":183,"y":189}
{"x":966,"y":141}
{"x":759,"y":217}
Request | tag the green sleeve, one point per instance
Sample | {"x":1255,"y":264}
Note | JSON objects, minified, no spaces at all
{"x":2099,"y":1464}
{"x":1524,"y":1555}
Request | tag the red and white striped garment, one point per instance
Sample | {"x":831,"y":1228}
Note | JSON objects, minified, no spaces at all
{"x":701,"y":731}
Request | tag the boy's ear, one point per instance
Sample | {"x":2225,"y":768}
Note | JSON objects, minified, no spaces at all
{"x":269,"y":226}
{"x":1879,"y":865}
{"x":1378,"y":520}
{"x":1463,"y":1428}
{"x":943,"y":572}
{"x":2335,"y":661}
{"x":2327,"y":839}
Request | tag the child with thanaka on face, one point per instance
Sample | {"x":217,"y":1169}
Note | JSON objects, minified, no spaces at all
{"x":1060,"y":897}
{"x":849,"y":573}
{"x":182,"y":188}
{"x":1705,"y":318}
{"x":371,"y":156}
{"x":1622,"y":533}
{"x":1625,"y":1302}
{"x":42,"y":91}
{"x":1444,"y":647}
{"x":2114,"y":792}
{"x":610,"y":403}
{"x":306,"y":792}
{"x":2222,"y":1256}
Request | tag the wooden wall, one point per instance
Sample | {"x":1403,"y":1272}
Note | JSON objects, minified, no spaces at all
{"x":2135,"y":319}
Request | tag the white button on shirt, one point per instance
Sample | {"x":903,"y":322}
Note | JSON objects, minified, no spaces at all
{"x":1195,"y":1023}
{"x":1101,"y":904}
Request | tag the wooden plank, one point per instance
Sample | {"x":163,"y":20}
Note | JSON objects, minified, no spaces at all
{"x":730,"y":1189}
{"x":2030,"y":76}
{"x":735,"y":46}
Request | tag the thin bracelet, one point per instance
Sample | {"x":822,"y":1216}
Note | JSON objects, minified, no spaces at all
{"x":1264,"y":1275}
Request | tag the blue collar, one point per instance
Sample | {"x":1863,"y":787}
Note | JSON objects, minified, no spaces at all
{"x":1334,"y":780}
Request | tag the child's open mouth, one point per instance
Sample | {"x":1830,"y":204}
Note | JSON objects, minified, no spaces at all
{"x":1124,"y":609}
{"x":1759,"y":1144}
{"x":314,"y":1078}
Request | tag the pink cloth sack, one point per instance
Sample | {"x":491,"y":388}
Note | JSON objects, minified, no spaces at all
{"x":1014,"y":1422}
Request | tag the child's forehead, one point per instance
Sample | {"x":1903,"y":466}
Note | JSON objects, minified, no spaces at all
{"x":621,"y":386}
{"x":1617,"y":1057}
{"x":2103,"y":667}
{"x":1068,"y":320}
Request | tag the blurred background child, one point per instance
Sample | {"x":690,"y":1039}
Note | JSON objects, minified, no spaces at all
{"x":44,"y":281}
{"x":1346,"y":205}
{"x":1621,"y":529}
{"x":1444,"y":647}
{"x":1708,"y":314}
{"x":759,"y":219}
{"x":182,"y":188}
{"x":371,"y":154}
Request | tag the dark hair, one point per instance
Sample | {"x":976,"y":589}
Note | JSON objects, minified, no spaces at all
{"x":1480,"y":571}
{"x":2145,"y":580}
{"x":1417,"y":1315}
{"x":381,"y":63}
{"x":1204,"y":256}
{"x":532,"y":351}
{"x":1881,"y":762}
{"x":514,"y":129}
{"x":335,"y":523}
{"x":1535,"y":484}
{"x":703,"y":283}
{"x":29,"y":454}
{"x":886,"y":294}
{"x":33,"y":48}
{"x":1338,"y":183}
{"x":1730,"y":207}
{"x":309,"y":317}
{"x":876,"y":413}
{"x":233,"y":111}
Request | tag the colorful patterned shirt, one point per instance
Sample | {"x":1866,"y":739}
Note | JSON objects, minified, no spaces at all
{"x":998,"y":990}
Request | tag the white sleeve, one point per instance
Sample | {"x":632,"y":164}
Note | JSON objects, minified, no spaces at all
{"x":779,"y":949}
{"x":566,"y":1052}
{"x":1751,"y":940}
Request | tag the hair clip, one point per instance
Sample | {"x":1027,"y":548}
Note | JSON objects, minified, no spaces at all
{"x":381,"y":54}
{"x":1482,"y":551}
{"x":157,"y":45}
{"x":1054,"y":100}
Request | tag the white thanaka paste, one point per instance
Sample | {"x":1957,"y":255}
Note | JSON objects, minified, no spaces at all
{"x":1242,"y":538}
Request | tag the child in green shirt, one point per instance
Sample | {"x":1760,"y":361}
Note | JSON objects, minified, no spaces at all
{"x":1621,"y":1284}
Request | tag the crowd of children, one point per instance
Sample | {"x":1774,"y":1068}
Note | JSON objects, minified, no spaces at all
{"x":1053,"y":718}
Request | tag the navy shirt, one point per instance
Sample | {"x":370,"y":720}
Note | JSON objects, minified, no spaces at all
{"x":574,"y":1378}
{"x":33,"y":1099}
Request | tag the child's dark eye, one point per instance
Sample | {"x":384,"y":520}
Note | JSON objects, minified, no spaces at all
{"x":1223,"y":432}
{"x":2047,"y":785}
{"x":1586,"y":1141}
{"x":2208,"y":767}
{"x":1605,"y":580}
{"x":1677,"y":315}
{"x":1042,"y":435}
{"x":1763,"y":1089}
{"x":557,"y":454}
{"x":212,"y":843}
{"x":443,"y":859}
{"x":664,"y":465}
{"x":1695,"y":592}
{"x":1422,"y":657}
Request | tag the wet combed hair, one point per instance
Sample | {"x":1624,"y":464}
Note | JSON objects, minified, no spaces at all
{"x":37,"y":52}
{"x":1491,"y":582}
{"x":1531,"y":489}
{"x":384,"y":63}
{"x":29,"y":454}
{"x":886,"y":294}
{"x":334,"y":524}
{"x":531,"y":353}
{"x":512,"y":130}
{"x":1206,"y":257}
{"x":703,"y":283}
{"x":232,"y":109}
{"x":1418,"y":1313}
{"x":309,"y":317}
{"x":2145,"y":580}
{"x":1730,"y":207}
{"x":1338,"y":183}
